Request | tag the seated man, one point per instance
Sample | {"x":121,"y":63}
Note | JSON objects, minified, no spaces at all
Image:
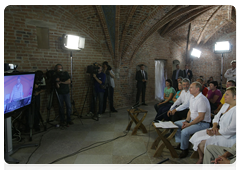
{"x":214,"y":95}
{"x":213,"y":152}
{"x":198,"y":118}
{"x":204,"y":89}
{"x":222,"y":101}
{"x":180,"y":108}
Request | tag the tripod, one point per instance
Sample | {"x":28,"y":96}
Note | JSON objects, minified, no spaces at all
{"x":50,"y":103}
{"x":95,"y":116}
{"x":34,"y":111}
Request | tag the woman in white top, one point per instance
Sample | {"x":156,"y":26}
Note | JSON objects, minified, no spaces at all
{"x":223,"y":132}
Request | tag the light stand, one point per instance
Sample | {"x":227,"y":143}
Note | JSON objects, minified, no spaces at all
{"x":74,"y":109}
{"x":221,"y":71}
{"x":222,"y":47}
{"x":73,"y":42}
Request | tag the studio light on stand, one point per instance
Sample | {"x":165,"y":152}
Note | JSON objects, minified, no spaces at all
{"x":72,"y":43}
{"x":221,"y":48}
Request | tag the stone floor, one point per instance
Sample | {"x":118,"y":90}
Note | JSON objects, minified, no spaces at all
{"x":97,"y":142}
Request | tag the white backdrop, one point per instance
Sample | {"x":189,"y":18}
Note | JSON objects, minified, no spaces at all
{"x":159,"y":79}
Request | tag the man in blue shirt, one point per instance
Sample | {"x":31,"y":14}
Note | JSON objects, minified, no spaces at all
{"x":98,"y":91}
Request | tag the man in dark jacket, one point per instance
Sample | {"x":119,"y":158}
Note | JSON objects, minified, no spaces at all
{"x":141,"y":77}
{"x":176,"y":73}
{"x":187,"y":73}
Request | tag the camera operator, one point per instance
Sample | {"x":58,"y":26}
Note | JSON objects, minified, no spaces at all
{"x":62,"y":83}
{"x":110,"y":87}
{"x":98,"y":90}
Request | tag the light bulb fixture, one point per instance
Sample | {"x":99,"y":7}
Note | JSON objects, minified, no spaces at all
{"x":73,"y":42}
{"x":196,"y":53}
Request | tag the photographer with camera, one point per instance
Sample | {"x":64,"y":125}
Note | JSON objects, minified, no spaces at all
{"x":98,"y":90}
{"x":110,"y":86}
{"x":63,"y":80}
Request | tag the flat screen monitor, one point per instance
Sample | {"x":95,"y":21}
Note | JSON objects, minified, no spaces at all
{"x":18,"y":90}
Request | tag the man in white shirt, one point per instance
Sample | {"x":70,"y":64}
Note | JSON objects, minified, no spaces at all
{"x":231,"y":73}
{"x":180,"y":107}
{"x":198,"y":118}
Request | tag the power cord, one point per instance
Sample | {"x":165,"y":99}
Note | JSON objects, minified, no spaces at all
{"x":19,"y":133}
{"x":39,"y":144}
{"x":146,"y":147}
{"x":89,"y":147}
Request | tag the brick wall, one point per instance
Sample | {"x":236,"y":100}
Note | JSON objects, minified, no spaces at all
{"x":20,"y":47}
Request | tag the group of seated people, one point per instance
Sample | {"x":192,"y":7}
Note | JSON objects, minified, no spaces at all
{"x":204,"y":117}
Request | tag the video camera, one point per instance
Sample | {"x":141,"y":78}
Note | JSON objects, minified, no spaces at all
{"x":93,"y":69}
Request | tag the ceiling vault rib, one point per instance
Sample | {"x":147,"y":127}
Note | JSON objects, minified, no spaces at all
{"x":207,"y":23}
{"x":187,"y":18}
{"x":131,"y":13}
{"x":140,"y":28}
{"x":105,"y":29}
{"x":162,"y":22}
{"x":233,"y":14}
{"x":117,"y":20}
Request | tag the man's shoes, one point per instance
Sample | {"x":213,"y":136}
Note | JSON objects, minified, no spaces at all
{"x":144,"y":104}
{"x":62,"y":124}
{"x":177,"y":147}
{"x":70,"y":123}
{"x":184,"y":154}
{"x":114,"y":110}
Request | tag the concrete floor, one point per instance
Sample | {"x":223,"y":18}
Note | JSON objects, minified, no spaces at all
{"x":93,"y":142}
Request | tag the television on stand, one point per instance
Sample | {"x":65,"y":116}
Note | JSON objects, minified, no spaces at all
{"x":18,"y":91}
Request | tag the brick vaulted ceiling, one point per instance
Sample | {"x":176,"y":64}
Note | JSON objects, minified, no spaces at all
{"x":123,"y":29}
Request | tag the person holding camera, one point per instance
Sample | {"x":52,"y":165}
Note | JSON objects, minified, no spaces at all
{"x":98,"y":90}
{"x":63,"y":80}
{"x":109,"y":88}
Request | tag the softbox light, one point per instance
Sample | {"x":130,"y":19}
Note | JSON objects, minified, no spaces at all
{"x":196,"y":53}
{"x":73,"y":42}
{"x":222,"y":47}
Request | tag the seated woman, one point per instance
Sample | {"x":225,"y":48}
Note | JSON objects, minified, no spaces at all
{"x":214,"y":95}
{"x":165,"y":105}
{"x":223,"y":132}
{"x":178,"y":92}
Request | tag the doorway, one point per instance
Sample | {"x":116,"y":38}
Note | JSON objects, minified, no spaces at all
{"x":159,"y":79}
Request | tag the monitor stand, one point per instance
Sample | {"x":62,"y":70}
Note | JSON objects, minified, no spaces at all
{"x":9,"y":150}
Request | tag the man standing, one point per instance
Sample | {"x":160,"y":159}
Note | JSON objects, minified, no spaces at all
{"x":198,"y":118}
{"x":180,"y":107}
{"x":176,"y":73}
{"x":110,"y":88}
{"x":187,"y":73}
{"x":213,"y":152}
{"x":231,"y":73}
{"x":141,"y":77}
{"x":98,"y":91}
{"x":62,"y":83}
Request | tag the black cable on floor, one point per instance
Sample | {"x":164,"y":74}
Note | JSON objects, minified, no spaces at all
{"x":146,"y":147}
{"x":87,"y":148}
{"x":38,"y":144}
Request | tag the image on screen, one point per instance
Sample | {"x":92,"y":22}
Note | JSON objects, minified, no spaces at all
{"x":17,"y":91}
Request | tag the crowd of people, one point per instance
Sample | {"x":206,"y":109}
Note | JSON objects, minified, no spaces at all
{"x":204,"y":116}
